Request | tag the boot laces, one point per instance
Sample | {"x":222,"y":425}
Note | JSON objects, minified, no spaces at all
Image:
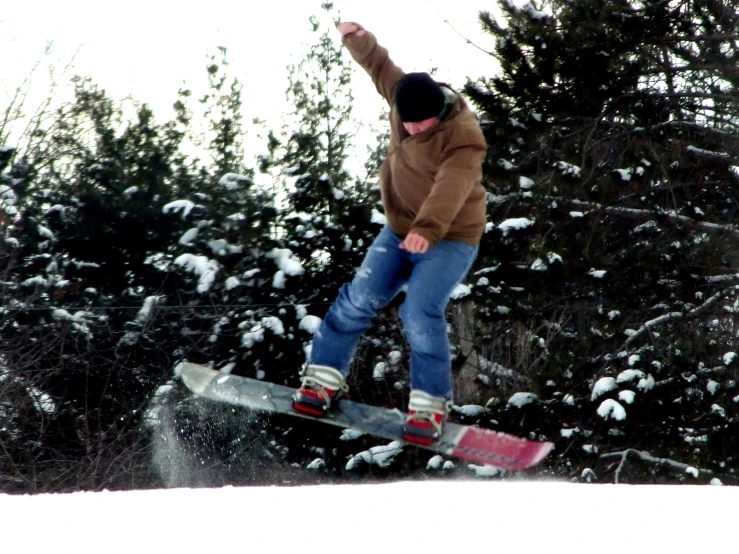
{"x":310,"y":379}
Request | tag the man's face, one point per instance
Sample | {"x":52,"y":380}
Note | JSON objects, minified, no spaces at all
{"x":415,"y":127}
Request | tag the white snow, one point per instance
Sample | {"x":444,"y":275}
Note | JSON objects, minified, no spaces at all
{"x":627,"y":396}
{"x":232,"y":282}
{"x":318,"y":463}
{"x":78,"y":316}
{"x":469,"y":410}
{"x":646,"y":383}
{"x":8,"y":195}
{"x":253,"y":519}
{"x":609,"y":408}
{"x":692,"y":471}
{"x":221,"y":247}
{"x":287,"y":262}
{"x":538,"y":265}
{"x":568,"y":169}
{"x":381,"y":456}
{"x":381,"y":369}
{"x":185,"y":206}
{"x":253,"y":336}
{"x":200,"y":265}
{"x":350,"y":434}
{"x":729,"y":357}
{"x":145,"y":312}
{"x":43,"y":402}
{"x":274,"y":324}
{"x":505,"y":164}
{"x":189,"y":236}
{"x":233,"y":181}
{"x":520,"y":399}
{"x":602,"y":386}
{"x":554,"y":258}
{"x":486,"y":471}
{"x":597,"y":273}
{"x":435,"y":462}
{"x":378,"y":218}
{"x":513,"y":224}
{"x":696,"y":150}
{"x":310,"y":323}
{"x":45,"y":232}
{"x":629,"y":375}
{"x":533,"y":12}
{"x":35,"y":281}
{"x":625,"y":174}
{"x":460,"y":291}
{"x":525,"y":183}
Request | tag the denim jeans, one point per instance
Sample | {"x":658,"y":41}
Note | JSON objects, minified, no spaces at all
{"x":428,"y":280}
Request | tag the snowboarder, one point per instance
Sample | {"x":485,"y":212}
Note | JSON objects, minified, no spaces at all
{"x":434,"y":202}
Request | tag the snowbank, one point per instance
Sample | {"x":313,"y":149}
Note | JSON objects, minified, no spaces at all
{"x":478,"y":516}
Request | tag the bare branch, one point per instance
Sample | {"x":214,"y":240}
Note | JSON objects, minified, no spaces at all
{"x":646,"y":457}
{"x":665,"y":318}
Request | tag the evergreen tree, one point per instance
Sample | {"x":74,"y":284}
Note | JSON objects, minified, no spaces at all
{"x":326,"y":211}
{"x":613,"y":254}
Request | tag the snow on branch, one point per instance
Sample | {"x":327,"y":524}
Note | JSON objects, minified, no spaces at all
{"x":717,"y":133}
{"x":673,"y":316}
{"x":646,"y":457}
{"x":637,"y":213}
{"x":653,"y":323}
{"x":701,"y":153}
{"x":721,"y":278}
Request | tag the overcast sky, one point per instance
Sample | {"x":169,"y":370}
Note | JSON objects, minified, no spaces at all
{"x":147,"y":48}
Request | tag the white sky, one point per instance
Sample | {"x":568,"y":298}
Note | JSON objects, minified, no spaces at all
{"x":475,"y":516}
{"x":146,"y":48}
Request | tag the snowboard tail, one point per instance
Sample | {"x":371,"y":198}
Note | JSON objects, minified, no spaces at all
{"x":461,"y":441}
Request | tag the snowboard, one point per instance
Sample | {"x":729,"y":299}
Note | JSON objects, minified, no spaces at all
{"x":466,"y":442}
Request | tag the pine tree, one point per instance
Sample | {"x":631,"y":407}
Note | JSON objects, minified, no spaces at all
{"x":611,"y":158}
{"x":326,"y":211}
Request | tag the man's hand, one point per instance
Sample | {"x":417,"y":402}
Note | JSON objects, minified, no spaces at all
{"x":350,"y":28}
{"x":414,"y":243}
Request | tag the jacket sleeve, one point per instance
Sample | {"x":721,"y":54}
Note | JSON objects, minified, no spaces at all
{"x":459,"y":171}
{"x":376,"y":61}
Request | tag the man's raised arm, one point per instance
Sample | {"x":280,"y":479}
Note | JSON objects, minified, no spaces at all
{"x":373,"y":58}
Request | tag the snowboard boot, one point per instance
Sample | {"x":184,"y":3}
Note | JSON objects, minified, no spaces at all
{"x":320,"y":389}
{"x":425,"y":420}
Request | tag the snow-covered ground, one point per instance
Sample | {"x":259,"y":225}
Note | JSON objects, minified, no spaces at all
{"x":409,"y":517}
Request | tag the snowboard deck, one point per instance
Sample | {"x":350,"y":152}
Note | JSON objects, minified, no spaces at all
{"x":460,"y":441}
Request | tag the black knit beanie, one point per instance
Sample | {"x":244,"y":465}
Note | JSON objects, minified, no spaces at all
{"x":418,"y":97}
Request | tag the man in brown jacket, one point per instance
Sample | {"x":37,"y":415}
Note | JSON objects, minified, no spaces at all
{"x":435,"y":208}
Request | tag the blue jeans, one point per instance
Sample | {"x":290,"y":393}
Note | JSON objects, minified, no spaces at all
{"x":429,"y":279}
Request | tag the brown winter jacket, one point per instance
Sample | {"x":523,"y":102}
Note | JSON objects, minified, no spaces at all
{"x":430,"y":182}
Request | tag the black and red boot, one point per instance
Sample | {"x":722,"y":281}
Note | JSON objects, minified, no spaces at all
{"x":320,"y":390}
{"x":425,"y":421}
